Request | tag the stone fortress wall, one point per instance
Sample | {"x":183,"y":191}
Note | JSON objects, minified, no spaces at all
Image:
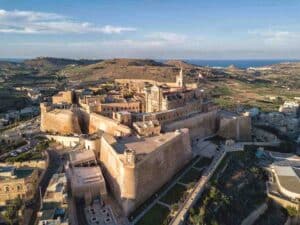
{"x":64,"y":97}
{"x":63,"y":121}
{"x":133,"y":181}
{"x":134,"y":165}
{"x":200,"y":125}
{"x":235,"y":127}
{"x":108,"y":125}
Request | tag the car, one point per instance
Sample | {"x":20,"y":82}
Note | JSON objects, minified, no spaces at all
{"x":13,"y":154}
{"x":19,"y":151}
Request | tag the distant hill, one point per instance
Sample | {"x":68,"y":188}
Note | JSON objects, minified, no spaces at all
{"x":131,"y":68}
{"x":56,"y":63}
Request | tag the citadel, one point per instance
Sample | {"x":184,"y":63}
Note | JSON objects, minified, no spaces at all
{"x":129,"y":138}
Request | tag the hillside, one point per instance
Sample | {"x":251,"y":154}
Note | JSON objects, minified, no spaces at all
{"x":130,"y":68}
{"x":230,"y":87}
{"x":56,"y":63}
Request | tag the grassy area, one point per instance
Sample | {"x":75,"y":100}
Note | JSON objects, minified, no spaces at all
{"x":6,"y":147}
{"x":174,"y":195}
{"x":191,"y":176}
{"x":239,"y":190}
{"x":203,"y":162}
{"x":26,"y":156}
{"x":157,"y":215}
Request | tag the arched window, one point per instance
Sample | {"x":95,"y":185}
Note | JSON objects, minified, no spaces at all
{"x":19,"y":187}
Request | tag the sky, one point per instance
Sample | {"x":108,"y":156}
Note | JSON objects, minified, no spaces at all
{"x":159,"y":29}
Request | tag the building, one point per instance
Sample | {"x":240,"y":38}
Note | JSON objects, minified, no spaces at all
{"x":57,"y":189}
{"x":290,"y":108}
{"x":79,"y":158}
{"x":54,"y":208}
{"x":131,"y":165}
{"x":17,"y":182}
{"x":142,"y":141}
{"x":64,"y":97}
{"x":86,"y":183}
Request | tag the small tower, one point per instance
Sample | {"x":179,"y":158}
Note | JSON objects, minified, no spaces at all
{"x":179,"y":79}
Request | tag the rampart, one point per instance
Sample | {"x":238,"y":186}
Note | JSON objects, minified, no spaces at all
{"x":67,"y":141}
{"x":110,"y":126}
{"x":200,"y":125}
{"x":134,"y":176}
{"x":235,"y":127}
{"x":62,"y":121}
{"x":63,"y":97}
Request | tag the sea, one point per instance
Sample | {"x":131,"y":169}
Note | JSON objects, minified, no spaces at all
{"x":240,"y":63}
{"x":243,"y":64}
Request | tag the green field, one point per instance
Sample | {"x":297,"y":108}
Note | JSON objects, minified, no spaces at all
{"x":157,"y":215}
{"x":191,"y":176}
{"x":174,"y":195}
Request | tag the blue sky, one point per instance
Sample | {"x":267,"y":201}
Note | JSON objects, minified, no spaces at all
{"x":190,"y":29}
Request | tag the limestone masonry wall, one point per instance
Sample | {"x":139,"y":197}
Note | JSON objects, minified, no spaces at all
{"x":110,"y":126}
{"x":200,"y":125}
{"x":132,"y":184}
{"x":60,"y":121}
{"x":63,"y":97}
{"x":238,"y":128}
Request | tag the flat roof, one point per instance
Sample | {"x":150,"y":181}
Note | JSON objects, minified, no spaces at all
{"x":81,"y":156}
{"x":5,"y":169}
{"x":86,"y":175}
{"x":288,"y":178}
{"x":144,"y":145}
{"x":23,"y":172}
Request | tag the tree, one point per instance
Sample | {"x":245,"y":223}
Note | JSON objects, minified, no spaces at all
{"x":292,"y":211}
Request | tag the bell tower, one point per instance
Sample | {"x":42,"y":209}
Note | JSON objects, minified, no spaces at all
{"x":179,"y":79}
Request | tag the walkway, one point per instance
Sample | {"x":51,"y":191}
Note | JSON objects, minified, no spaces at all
{"x":198,"y":190}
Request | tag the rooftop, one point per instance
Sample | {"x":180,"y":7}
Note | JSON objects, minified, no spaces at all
{"x":288,"y":178}
{"x":144,"y":145}
{"x":86,"y":175}
{"x":81,"y":156}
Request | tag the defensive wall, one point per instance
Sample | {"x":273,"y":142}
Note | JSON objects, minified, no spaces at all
{"x":134,"y":177}
{"x":63,"y":121}
{"x":63,"y":97}
{"x":200,"y":125}
{"x":110,"y":126}
{"x":235,"y":127}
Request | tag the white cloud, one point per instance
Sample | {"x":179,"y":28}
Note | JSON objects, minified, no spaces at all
{"x":276,"y":36}
{"x":168,"y":37}
{"x":30,"y":22}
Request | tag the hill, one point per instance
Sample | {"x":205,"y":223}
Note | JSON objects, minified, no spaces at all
{"x":130,"y":68}
{"x":56,"y":63}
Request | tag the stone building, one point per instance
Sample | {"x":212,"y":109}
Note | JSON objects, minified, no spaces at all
{"x":139,"y":138}
{"x":131,"y":165}
{"x":64,"y":97}
{"x":17,"y":182}
{"x":86,"y":183}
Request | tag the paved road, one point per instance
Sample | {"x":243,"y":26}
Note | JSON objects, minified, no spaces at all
{"x":54,"y":164}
